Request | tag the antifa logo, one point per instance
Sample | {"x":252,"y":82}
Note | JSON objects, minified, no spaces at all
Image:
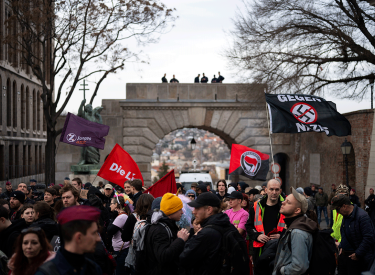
{"x":304,"y":113}
{"x":71,"y":137}
{"x":250,"y":163}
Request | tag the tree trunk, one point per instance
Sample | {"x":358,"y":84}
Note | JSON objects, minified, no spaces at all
{"x":50,"y":157}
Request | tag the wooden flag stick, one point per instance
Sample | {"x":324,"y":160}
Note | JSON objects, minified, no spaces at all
{"x":270,"y":135}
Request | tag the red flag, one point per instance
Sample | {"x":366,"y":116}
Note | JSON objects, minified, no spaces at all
{"x":248,"y":162}
{"x":166,"y":184}
{"x":119,"y":167}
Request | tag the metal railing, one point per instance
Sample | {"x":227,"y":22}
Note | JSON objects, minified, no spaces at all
{"x":22,"y":173}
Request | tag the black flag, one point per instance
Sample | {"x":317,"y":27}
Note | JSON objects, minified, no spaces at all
{"x":302,"y":113}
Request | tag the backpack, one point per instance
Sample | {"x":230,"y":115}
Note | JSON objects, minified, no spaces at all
{"x":139,"y":238}
{"x":323,"y":256}
{"x":233,"y":252}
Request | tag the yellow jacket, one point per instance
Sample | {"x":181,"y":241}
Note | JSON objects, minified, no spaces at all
{"x":337,"y":221}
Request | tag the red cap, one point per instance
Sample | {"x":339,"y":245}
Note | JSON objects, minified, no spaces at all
{"x":333,"y":184}
{"x":78,"y":213}
{"x":372,"y":189}
{"x":8,"y":183}
{"x":352,"y":190}
{"x":61,"y":185}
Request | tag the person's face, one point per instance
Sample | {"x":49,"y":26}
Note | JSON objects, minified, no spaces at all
{"x":199,"y":191}
{"x":221,"y":187}
{"x":351,"y":192}
{"x":243,"y":203}
{"x":22,"y":187}
{"x":333,"y":187}
{"x":201,"y":214}
{"x":28,"y":215}
{"x":313,"y":188}
{"x":289,"y":206}
{"x":31,"y":246}
{"x":107,"y":192}
{"x":68,"y":199}
{"x":264,"y":187}
{"x":8,"y":187}
{"x":173,"y":76}
{"x":32,"y":183}
{"x":48,"y":197}
{"x":234,"y":202}
{"x":127,"y":189}
{"x":88,"y":242}
{"x":194,"y":188}
{"x":191,"y":196}
{"x":176,"y":216}
{"x":273,"y":190}
{"x":76,"y":186}
{"x":14,"y":203}
{"x":343,"y":210}
{"x":371,"y":192}
{"x":113,"y":205}
{"x":251,"y":197}
{"x":208,"y":187}
{"x":262,"y":192}
{"x":320,"y":191}
{"x":196,"y":226}
{"x":238,"y":187}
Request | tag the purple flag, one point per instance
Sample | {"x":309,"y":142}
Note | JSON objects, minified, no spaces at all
{"x":81,"y":132}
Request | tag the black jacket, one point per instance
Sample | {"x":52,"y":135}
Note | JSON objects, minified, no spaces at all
{"x":201,"y":252}
{"x":174,"y":80}
{"x":214,"y":80}
{"x":355,"y":200}
{"x":164,"y":80}
{"x":127,"y":230}
{"x":362,"y":234}
{"x":6,"y":195}
{"x":220,"y":78}
{"x":196,"y":80}
{"x":48,"y":225}
{"x":162,"y":252}
{"x":135,"y":198}
{"x":9,"y":235}
{"x":204,"y":79}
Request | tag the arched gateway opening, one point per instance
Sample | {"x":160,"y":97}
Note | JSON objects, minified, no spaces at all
{"x":234,"y":112}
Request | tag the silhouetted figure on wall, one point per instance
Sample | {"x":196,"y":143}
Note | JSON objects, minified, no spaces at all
{"x":196,"y":80}
{"x":174,"y":80}
{"x":220,"y":79}
{"x":204,"y":79}
{"x":164,"y":79}
{"x":214,"y":80}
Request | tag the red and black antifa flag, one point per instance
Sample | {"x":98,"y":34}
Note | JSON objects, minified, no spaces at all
{"x":248,"y":162}
{"x":302,"y":113}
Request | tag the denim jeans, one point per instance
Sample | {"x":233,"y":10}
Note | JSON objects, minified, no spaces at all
{"x":120,"y":261}
{"x":324,"y":208}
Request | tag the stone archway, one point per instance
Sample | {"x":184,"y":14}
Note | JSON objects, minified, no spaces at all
{"x":234,"y":112}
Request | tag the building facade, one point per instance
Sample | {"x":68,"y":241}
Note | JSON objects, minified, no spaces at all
{"x":22,"y":127}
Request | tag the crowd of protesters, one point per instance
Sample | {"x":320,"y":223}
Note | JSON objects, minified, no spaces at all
{"x":76,"y":228}
{"x":198,"y":79}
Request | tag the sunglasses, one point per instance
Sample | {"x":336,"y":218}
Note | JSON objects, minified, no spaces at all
{"x":191,"y":196}
{"x":31,"y":229}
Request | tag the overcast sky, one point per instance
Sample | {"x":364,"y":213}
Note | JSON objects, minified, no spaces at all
{"x":195,"y":45}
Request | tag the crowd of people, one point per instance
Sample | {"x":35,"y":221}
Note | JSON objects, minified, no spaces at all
{"x":203,"y":79}
{"x":76,"y":228}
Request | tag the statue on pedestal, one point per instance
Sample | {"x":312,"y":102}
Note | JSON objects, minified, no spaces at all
{"x":90,"y":155}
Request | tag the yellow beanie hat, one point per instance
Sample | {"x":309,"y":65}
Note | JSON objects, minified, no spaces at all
{"x":170,"y":204}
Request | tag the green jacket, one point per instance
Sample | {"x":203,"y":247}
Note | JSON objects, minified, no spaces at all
{"x":337,"y":221}
{"x":321,"y":199}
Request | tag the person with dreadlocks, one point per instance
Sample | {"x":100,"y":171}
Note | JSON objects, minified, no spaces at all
{"x":337,"y":218}
{"x":121,"y":248}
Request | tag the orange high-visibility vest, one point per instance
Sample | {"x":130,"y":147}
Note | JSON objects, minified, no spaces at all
{"x":258,"y":223}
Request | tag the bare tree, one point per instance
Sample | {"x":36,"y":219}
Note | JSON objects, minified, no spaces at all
{"x":75,"y":39}
{"x":306,"y":46}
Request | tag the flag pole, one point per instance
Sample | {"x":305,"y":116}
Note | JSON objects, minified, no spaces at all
{"x":270,"y":136}
{"x":57,"y":147}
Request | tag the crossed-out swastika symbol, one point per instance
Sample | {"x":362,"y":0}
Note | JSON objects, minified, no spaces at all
{"x":304,"y":113}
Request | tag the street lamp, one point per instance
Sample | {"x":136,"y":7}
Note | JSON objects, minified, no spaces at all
{"x":345,"y":148}
{"x":193,"y":144}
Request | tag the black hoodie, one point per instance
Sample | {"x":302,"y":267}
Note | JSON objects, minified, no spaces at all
{"x":9,"y":235}
{"x":201,"y":252}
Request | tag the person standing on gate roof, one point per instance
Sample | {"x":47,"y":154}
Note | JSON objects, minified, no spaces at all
{"x":354,"y":198}
{"x":265,"y":218}
{"x":163,"y":242}
{"x":214,"y":80}
{"x":164,"y":79}
{"x":295,"y":259}
{"x":321,"y":204}
{"x":79,"y":233}
{"x":370,"y":203}
{"x":204,"y":79}
{"x":237,"y":216}
{"x":220,"y":78}
{"x":356,"y":249}
{"x":196,"y":80}
{"x":174,"y":80}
